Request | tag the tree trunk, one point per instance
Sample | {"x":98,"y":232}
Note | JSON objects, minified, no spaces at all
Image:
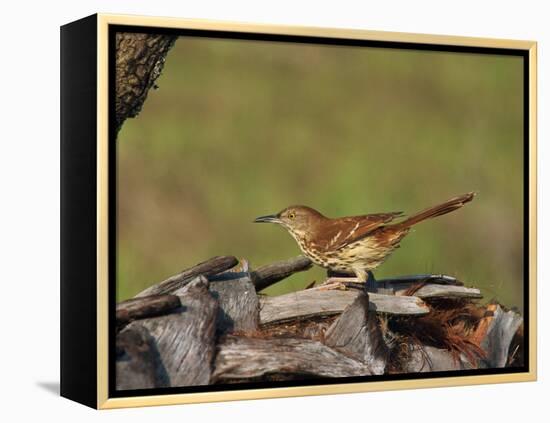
{"x":139,"y":62}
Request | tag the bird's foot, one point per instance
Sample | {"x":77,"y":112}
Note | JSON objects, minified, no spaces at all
{"x":341,"y":283}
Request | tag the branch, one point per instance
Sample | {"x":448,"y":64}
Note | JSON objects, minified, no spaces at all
{"x":140,"y":308}
{"x":269,"y":274}
{"x":207,"y":268}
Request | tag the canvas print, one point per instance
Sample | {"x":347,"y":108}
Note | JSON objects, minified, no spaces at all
{"x":304,"y":212}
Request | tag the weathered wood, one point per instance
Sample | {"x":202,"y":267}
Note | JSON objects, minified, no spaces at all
{"x":191,"y":286}
{"x":208,"y":268}
{"x":186,"y":339}
{"x":357,"y":334}
{"x":502,"y":328}
{"x":267,"y":275}
{"x":245,"y":359}
{"x":429,"y":286}
{"x":238,"y":303}
{"x":318,"y":302}
{"x":403,"y":282}
{"x":138,"y":364}
{"x":422,"y":359}
{"x":312,"y":328}
{"x":431,"y":290}
{"x":140,"y":308}
{"x":400,"y":282}
{"x":311,"y":333}
{"x":420,"y":289}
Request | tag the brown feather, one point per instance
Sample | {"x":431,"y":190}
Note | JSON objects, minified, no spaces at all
{"x":375,"y":224}
{"x":439,"y":210}
{"x":339,"y":232}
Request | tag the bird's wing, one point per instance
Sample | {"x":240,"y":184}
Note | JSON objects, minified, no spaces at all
{"x":343,"y":231}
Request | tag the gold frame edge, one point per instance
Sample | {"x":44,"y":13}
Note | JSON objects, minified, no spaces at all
{"x":102,"y":212}
{"x":103,"y":401}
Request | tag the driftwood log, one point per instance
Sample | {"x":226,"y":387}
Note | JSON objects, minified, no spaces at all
{"x":248,"y":359}
{"x":208,"y":268}
{"x":184,"y":340}
{"x":317,"y":302}
{"x":209,"y":325}
{"x":357,"y":334}
{"x":138,"y":364}
{"x":139,"y":308}
{"x":272,"y":273}
{"x":238,"y":303}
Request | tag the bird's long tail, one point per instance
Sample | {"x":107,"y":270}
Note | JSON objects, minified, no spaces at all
{"x":439,"y":210}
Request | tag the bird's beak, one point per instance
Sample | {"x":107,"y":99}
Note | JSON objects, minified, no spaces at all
{"x":272,"y":218}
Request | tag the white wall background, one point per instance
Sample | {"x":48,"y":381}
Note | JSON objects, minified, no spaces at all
{"x":29,"y":236}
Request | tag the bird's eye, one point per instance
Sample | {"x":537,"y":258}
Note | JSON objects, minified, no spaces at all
{"x":291,"y":215}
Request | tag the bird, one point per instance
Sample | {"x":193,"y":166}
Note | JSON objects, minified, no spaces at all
{"x":354,"y":244}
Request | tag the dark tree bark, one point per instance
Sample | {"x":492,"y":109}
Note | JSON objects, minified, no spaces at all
{"x":139,"y":62}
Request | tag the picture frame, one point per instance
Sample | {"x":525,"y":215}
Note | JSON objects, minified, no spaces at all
{"x":92,"y":113}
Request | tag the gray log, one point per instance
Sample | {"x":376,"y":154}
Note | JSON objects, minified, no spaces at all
{"x":357,"y":334}
{"x":208,"y":268}
{"x":186,"y":340}
{"x":237,"y":300}
{"x":138,"y":364}
{"x":272,"y":273}
{"x":434,"y":286}
{"x":238,"y":303}
{"x":403,"y":282}
{"x":429,"y":286}
{"x":241,"y":358}
{"x":501,"y":331}
{"x":409,"y":280}
{"x":430,"y":359}
{"x":140,"y":308}
{"x":318,"y":302}
{"x":444,"y":291}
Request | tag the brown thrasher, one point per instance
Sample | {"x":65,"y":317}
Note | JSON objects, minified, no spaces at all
{"x":355,"y":244}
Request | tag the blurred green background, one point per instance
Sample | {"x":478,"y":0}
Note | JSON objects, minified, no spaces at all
{"x":240,"y":129}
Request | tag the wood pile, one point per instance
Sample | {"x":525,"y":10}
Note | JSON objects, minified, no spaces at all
{"x":208,"y":325}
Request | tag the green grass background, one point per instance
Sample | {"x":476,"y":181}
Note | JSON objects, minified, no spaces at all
{"x":239,"y":129}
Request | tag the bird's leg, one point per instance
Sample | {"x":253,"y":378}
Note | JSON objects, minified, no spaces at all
{"x":363,"y":280}
{"x":336,"y":282}
{"x":376,"y":285}
{"x":371,"y":284}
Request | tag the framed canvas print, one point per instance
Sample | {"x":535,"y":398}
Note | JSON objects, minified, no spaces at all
{"x":256,"y":211}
